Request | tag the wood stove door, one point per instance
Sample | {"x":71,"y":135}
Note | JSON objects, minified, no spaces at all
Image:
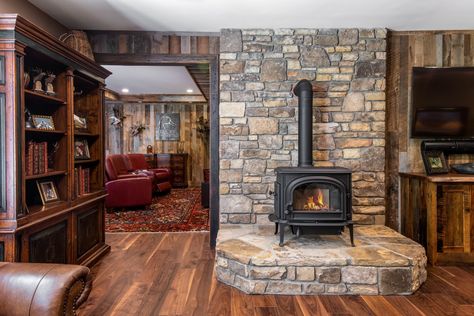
{"x":317,"y":198}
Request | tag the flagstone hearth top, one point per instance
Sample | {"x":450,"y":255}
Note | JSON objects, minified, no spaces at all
{"x":382,"y":262}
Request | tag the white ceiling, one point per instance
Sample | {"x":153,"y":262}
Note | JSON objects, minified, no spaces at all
{"x":213,"y":15}
{"x":150,"y":79}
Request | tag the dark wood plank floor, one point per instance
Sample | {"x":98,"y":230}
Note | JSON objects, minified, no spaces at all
{"x":172,"y":274}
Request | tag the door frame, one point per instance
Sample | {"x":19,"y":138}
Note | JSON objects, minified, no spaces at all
{"x":213,"y":61}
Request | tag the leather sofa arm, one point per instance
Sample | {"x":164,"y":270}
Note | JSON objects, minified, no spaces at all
{"x":129,"y":192}
{"x":43,"y":289}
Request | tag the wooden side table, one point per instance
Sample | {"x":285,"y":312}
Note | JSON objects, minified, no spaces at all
{"x":438,"y":212}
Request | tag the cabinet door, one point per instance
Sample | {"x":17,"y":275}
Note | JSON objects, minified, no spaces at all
{"x":49,"y":245}
{"x":454,"y":218}
{"x":88,"y":230}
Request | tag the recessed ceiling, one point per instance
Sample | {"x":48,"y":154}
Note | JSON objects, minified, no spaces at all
{"x":150,"y":80}
{"x":212,"y":15}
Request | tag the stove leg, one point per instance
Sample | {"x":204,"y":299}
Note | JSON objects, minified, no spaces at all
{"x":298,"y":231}
{"x":351,"y":233}
{"x":292,"y":229}
{"x":282,"y":234}
{"x":276,"y":228}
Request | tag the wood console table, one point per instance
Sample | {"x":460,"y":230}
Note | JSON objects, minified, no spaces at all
{"x":438,"y":212}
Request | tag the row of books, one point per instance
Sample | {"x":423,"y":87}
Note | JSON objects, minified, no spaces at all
{"x":82,"y":181}
{"x":36,"y":158}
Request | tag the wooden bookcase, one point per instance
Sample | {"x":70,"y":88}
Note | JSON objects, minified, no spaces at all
{"x":438,"y":212}
{"x":70,"y":229}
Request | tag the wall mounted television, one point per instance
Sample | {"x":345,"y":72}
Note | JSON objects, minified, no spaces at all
{"x":443,"y":103}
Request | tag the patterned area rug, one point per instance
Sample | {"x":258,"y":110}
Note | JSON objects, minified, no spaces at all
{"x":180,"y":210}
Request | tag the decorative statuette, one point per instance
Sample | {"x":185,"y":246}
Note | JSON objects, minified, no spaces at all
{"x":49,"y":83}
{"x":37,"y":85}
{"x":28,"y":119}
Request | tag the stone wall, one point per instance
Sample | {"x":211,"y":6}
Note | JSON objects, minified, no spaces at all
{"x":258,"y":114}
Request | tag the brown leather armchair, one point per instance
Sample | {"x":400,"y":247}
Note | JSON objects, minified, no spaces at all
{"x":42,"y":288}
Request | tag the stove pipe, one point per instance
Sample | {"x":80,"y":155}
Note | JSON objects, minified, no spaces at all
{"x":304,"y":91}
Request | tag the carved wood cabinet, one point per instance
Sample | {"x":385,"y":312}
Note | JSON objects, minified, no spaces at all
{"x":178,"y":163}
{"x":59,"y":223}
{"x":438,"y":212}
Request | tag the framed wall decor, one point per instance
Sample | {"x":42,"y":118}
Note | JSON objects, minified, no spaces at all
{"x":167,"y":126}
{"x":434,"y":162}
{"x":81,"y":149}
{"x":43,"y":122}
{"x":48,"y":191}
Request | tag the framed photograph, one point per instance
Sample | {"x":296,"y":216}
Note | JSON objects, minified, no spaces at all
{"x":434,"y":162}
{"x":48,"y":191}
{"x":80,"y":123}
{"x":43,"y":122}
{"x":81,"y":149}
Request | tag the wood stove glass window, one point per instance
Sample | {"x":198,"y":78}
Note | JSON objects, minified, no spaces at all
{"x":317,"y":197}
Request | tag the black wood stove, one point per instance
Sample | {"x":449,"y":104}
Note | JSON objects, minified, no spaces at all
{"x":308,"y":198}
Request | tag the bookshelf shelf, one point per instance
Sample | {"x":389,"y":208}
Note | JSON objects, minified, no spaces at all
{"x":47,"y":174}
{"x":86,"y":134}
{"x":38,"y":96}
{"x":45,"y":131}
{"x":86,"y":161}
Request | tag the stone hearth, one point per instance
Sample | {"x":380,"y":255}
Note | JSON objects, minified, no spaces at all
{"x":383,"y":262}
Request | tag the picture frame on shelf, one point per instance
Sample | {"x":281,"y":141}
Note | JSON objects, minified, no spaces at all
{"x":435,"y":162}
{"x":81,"y":149}
{"x":44,"y":122}
{"x":48,"y":191}
{"x":80,"y":123}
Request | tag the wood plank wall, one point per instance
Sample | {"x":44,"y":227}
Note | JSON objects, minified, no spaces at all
{"x":119,"y":139}
{"x":407,"y":50}
{"x":140,"y":42}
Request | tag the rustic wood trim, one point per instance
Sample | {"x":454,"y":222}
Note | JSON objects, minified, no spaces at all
{"x":196,"y":82}
{"x":152,"y":59}
{"x":214,"y":149}
{"x":161,"y":98}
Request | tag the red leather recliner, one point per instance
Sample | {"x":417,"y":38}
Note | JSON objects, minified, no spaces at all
{"x":126,"y":189}
{"x":162,"y":176}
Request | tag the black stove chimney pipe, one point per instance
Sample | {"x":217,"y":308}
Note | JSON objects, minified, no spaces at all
{"x":304,"y":91}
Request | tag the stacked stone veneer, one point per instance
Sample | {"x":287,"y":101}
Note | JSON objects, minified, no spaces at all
{"x":383,"y":262}
{"x":258,"y":114}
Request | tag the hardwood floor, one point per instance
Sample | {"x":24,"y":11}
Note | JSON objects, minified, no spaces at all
{"x":172,"y":274}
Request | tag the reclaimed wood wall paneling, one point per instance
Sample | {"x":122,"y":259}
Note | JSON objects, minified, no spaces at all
{"x":407,"y":50}
{"x":119,"y":139}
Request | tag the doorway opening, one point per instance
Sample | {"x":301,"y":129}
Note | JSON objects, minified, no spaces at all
{"x":174,"y":131}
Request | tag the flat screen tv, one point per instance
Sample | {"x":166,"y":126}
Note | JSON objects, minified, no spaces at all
{"x":443,"y":103}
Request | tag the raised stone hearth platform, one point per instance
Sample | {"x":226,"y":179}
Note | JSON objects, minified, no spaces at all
{"x":383,"y":262}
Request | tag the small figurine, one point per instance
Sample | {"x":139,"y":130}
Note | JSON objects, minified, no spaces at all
{"x":48,"y":81}
{"x":37,"y":79}
{"x":28,"y":119}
